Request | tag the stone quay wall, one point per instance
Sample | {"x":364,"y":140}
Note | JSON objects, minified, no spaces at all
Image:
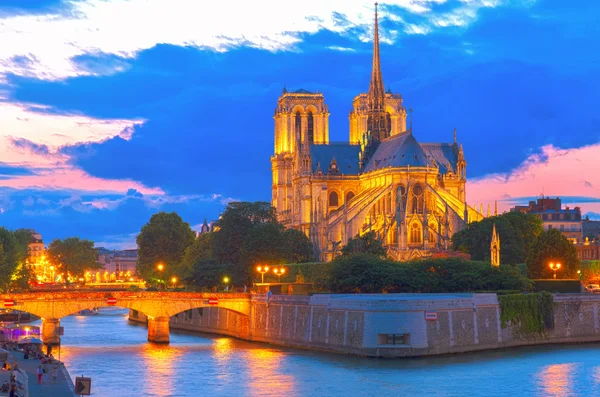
{"x":390,"y":325}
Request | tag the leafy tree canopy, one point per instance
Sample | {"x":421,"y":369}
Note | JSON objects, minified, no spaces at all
{"x":73,"y":256}
{"x":9,"y":257}
{"x":517,"y":233}
{"x":234,"y":225}
{"x":249,"y":234}
{"x":163,"y":239}
{"x":552,"y":246}
{"x":368,"y":243}
{"x":200,"y":249}
{"x":367,"y":273}
{"x":207,"y":273}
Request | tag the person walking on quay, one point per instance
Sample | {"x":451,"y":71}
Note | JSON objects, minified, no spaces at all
{"x":54,"y":375}
{"x":40,"y":373}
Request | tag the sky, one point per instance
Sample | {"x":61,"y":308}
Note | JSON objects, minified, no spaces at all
{"x":112,"y":110}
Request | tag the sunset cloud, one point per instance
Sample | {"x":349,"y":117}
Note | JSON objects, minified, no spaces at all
{"x":554,"y":172}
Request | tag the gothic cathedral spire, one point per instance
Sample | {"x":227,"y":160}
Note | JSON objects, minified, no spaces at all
{"x":378,"y":127}
{"x":376,"y":91}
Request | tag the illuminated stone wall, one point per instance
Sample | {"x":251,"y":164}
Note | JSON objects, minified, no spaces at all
{"x":356,"y":324}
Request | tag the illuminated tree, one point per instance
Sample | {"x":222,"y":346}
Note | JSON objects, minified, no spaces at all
{"x":72,"y":256}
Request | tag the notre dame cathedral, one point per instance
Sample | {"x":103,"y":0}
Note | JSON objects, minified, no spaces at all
{"x":411,"y":194}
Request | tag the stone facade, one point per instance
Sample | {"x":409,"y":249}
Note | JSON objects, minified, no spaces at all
{"x":411,"y":194}
{"x":393,"y":325}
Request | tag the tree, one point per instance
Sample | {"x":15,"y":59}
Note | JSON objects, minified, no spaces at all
{"x":207,"y":273}
{"x":517,"y":232}
{"x":299,"y":247}
{"x":552,"y":246}
{"x":23,"y":237}
{"x":163,"y":239}
{"x":23,"y":276}
{"x":9,"y":257}
{"x":72,"y":257}
{"x":234,"y":225}
{"x":200,"y":249}
{"x":248,"y":234}
{"x":368,"y":243}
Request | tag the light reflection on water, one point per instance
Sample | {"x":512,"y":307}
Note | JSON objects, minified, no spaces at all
{"x":120,"y":361}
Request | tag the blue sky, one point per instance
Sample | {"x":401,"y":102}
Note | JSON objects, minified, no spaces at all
{"x":111,"y":110}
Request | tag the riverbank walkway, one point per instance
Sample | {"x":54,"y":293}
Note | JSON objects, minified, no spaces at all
{"x":63,"y":387}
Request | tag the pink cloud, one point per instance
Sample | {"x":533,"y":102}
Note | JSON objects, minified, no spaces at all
{"x":555,"y":172}
{"x":33,"y":139}
{"x":75,"y":179}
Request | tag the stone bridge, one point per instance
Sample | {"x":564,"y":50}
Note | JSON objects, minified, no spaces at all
{"x":158,"y":306}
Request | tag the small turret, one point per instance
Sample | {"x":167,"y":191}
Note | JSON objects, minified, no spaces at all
{"x":495,"y":248}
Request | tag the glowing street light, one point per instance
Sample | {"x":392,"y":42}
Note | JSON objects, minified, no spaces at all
{"x":262,"y":270}
{"x":554,"y":267}
{"x":173,"y":281}
{"x":279,"y":272}
{"x":160,"y":267}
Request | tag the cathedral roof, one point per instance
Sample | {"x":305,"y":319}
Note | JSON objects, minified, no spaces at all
{"x":345,"y":155}
{"x":444,"y":154}
{"x":302,"y":91}
{"x":398,"y":151}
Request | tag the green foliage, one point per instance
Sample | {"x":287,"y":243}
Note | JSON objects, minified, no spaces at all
{"x":299,"y":247}
{"x":517,"y":233}
{"x":234,"y":225}
{"x":318,"y":273}
{"x":23,"y":238}
{"x":527,"y":313}
{"x":23,"y":276}
{"x":590,"y":270}
{"x":552,"y":246}
{"x":368,"y":243}
{"x":200,"y":249}
{"x":72,"y":256}
{"x":367,"y":273}
{"x":163,"y":239}
{"x":9,"y":257}
{"x":208,"y":273}
{"x":249,"y":234}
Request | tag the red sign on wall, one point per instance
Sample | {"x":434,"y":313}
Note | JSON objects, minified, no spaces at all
{"x":213,"y":301}
{"x":111,"y":301}
{"x":431,"y":316}
{"x":9,"y":303}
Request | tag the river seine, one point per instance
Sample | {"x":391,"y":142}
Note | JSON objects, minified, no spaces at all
{"x":115,"y":354}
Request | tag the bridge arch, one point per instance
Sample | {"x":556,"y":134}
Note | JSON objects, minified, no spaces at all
{"x":157,"y":306}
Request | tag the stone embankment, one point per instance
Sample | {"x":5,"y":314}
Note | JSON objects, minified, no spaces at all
{"x":61,"y":387}
{"x":390,"y":325}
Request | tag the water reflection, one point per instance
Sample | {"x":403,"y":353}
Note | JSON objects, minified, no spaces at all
{"x":266,"y":377}
{"x":160,"y":362}
{"x":554,"y":380}
{"x":120,"y":361}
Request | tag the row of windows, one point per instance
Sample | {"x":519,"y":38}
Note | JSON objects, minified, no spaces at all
{"x":561,"y":217}
{"x":334,"y":198}
{"x":417,"y":199}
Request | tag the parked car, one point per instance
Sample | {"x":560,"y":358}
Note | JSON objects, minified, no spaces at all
{"x":593,"y":288}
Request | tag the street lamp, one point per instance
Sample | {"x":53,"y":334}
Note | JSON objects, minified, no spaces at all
{"x":173,"y":281}
{"x":226,"y":281}
{"x":160,"y":267}
{"x":262,"y":270}
{"x":279,"y":272}
{"x":554,"y":267}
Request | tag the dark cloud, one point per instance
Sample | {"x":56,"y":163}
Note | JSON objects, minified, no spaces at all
{"x":22,"y":143}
